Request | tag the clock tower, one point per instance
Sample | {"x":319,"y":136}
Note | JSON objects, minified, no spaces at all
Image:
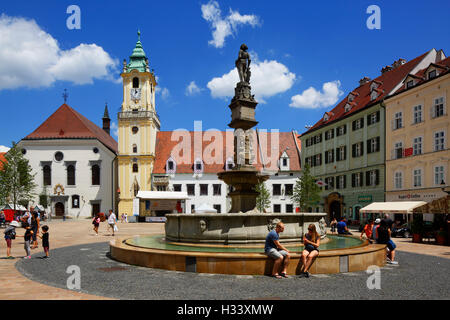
{"x":138,"y":124}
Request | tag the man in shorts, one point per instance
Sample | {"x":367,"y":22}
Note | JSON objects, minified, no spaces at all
{"x":276,"y":251}
{"x":112,"y":220}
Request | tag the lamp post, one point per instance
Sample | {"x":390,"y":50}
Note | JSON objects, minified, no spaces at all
{"x":447,"y":191}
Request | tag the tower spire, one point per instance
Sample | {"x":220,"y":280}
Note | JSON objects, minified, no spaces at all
{"x":106,"y":120}
{"x":65,"y":95}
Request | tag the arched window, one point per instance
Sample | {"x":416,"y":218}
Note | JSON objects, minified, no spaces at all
{"x":134,"y":148}
{"x":96,"y":175}
{"x":71,"y":175}
{"x":135,"y":82}
{"x":47,"y":175}
{"x":135,"y":167}
{"x":75,"y":201}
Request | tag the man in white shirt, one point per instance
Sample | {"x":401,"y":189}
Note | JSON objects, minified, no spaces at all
{"x":112,"y":220}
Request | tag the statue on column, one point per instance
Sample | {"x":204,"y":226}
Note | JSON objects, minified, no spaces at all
{"x":243,"y":64}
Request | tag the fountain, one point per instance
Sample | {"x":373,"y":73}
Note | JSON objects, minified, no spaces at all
{"x":233,"y":242}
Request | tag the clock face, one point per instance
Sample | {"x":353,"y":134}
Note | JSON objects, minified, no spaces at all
{"x":135,"y":93}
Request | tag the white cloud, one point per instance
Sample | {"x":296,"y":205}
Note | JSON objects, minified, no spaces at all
{"x":30,"y":57}
{"x":312,"y":99}
{"x":193,"y":89}
{"x":224,"y":27}
{"x":115,"y":129}
{"x":165,"y":93}
{"x":4,"y":149}
{"x":268,"y":78}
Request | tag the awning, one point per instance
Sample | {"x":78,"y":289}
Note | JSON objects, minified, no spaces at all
{"x":10,"y":206}
{"x":401,"y":207}
{"x":162,"y":195}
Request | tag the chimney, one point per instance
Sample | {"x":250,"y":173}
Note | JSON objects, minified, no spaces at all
{"x":386,"y":69}
{"x":398,"y":63}
{"x":364,"y":81}
{"x":106,"y":120}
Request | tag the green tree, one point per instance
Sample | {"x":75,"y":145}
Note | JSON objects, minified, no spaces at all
{"x":16,"y":178}
{"x":263,"y":198}
{"x":306,"y":192}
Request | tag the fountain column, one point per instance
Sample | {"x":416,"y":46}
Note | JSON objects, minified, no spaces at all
{"x":244,"y":176}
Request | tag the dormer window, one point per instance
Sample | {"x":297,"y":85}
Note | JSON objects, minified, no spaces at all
{"x":374,"y":85}
{"x":198,"y":166}
{"x":409,"y":84}
{"x":326,"y":117}
{"x":432,"y":74}
{"x":373,"y":95}
{"x":171,"y":165}
{"x":351,"y":97}
{"x":347,"y":107}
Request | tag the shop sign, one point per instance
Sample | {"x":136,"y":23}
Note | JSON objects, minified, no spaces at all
{"x":169,"y":205}
{"x":366,"y":198}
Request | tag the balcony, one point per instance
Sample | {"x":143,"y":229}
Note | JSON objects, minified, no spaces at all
{"x":138,"y":115}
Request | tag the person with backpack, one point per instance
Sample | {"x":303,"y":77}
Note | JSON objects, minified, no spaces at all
{"x":10,"y":234}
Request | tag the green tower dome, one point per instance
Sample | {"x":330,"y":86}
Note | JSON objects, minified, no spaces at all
{"x":138,"y":57}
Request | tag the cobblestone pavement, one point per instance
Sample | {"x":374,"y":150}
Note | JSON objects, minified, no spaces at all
{"x":425,"y":273}
{"x":416,"y":277}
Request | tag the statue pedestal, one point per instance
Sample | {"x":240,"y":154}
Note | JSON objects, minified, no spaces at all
{"x":243,"y":108}
{"x":243,"y":180}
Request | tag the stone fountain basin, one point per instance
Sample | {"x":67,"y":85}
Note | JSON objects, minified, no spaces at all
{"x":229,"y":228}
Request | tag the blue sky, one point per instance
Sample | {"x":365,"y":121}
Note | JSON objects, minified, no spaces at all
{"x":295,"y":45}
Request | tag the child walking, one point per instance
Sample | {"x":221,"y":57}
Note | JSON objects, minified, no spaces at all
{"x":45,"y":242}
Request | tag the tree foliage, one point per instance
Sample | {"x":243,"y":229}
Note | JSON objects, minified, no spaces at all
{"x":16,"y":178}
{"x":263,"y":199}
{"x":306,"y":192}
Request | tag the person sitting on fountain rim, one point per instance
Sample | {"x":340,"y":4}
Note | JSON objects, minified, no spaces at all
{"x":274,"y":249}
{"x":311,"y":241}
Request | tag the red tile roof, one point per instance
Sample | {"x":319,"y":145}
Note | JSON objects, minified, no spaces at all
{"x":443,"y":66}
{"x":66,"y":123}
{"x":387,"y":81}
{"x":2,"y":158}
{"x":167,"y":141}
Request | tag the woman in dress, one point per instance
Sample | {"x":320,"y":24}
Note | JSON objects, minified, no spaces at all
{"x":311,"y":241}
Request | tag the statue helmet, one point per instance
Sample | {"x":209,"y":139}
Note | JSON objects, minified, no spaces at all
{"x":244,"y":46}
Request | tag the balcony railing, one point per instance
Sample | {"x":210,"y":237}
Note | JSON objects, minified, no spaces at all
{"x":137,"y":114}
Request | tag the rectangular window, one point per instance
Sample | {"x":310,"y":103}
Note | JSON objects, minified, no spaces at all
{"x":356,"y":180}
{"x":340,"y":182}
{"x":417,"y":114}
{"x":147,"y":204}
{"x":341,"y":153}
{"x":203,"y":189}
{"x":177,"y":187}
{"x":190,"y":189}
{"x":398,"y":180}
{"x":417,"y":146}
{"x":289,"y":208}
{"x":357,"y":150}
{"x":373,"y":118}
{"x":358,"y":124}
{"x":438,"y":175}
{"x":439,"y":141}
{"x":217,"y":189}
{"x":341,"y":130}
{"x":398,"y":150}
{"x":289,"y":189}
{"x":329,"y":134}
{"x":329,"y":156}
{"x":277,"y":208}
{"x":276,"y":190}
{"x":417,"y":178}
{"x":398,"y":121}
{"x":438,"y":108}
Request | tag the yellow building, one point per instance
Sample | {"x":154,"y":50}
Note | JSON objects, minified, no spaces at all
{"x":138,"y":124}
{"x":417,"y":130}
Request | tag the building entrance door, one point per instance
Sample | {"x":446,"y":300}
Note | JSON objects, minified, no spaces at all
{"x":335,"y":210}
{"x":59,"y":209}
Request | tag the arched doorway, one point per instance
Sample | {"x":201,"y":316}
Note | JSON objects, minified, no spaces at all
{"x":59,"y":209}
{"x":335,"y":210}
